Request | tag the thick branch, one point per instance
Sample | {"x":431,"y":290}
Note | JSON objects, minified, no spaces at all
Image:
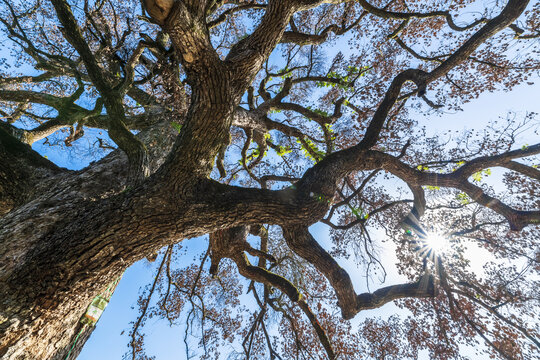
{"x":248,"y":55}
{"x":135,"y":150}
{"x":405,"y":16}
{"x":459,"y":180}
{"x":21,"y":172}
{"x":232,"y":243}
{"x":304,"y":245}
{"x":509,"y":14}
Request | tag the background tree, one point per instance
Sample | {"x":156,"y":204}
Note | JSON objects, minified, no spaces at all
{"x":229,"y":118}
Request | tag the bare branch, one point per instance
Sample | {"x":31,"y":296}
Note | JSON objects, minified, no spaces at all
{"x":303,"y":244}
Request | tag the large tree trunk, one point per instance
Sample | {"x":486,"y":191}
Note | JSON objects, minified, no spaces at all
{"x":66,"y":236}
{"x":62,"y":247}
{"x":72,"y":240}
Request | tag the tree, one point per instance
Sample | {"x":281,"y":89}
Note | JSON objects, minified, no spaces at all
{"x":213,"y":135}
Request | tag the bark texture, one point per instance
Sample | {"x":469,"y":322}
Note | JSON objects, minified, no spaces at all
{"x":65,"y":236}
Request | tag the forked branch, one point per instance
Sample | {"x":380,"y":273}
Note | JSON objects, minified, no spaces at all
{"x":304,"y":245}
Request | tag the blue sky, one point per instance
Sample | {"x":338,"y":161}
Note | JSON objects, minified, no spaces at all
{"x":110,"y":338}
{"x":166,"y":343}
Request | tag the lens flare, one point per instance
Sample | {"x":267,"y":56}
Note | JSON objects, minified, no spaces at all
{"x":436,"y":242}
{"x":430,"y":244}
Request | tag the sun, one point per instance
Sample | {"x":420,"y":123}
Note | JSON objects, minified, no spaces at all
{"x":437,"y":242}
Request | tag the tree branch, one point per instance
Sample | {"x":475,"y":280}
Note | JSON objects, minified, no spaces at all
{"x":135,"y":150}
{"x":304,"y":245}
{"x":232,"y":243}
{"x":510,"y":13}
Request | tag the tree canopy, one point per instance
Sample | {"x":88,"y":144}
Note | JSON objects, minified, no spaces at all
{"x":249,"y":121}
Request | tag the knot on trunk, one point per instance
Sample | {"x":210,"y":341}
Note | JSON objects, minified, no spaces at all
{"x":158,"y":10}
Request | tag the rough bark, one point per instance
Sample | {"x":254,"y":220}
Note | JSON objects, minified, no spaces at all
{"x":67,"y":242}
{"x":22,"y":172}
{"x":32,"y":235}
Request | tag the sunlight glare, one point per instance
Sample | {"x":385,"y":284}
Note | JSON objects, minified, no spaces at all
{"x":437,"y":242}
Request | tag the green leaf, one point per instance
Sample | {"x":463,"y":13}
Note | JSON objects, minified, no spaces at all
{"x":312,"y":149}
{"x":478,"y":176}
{"x":463,"y":198}
{"x":176,"y":126}
{"x":284,"y":150}
{"x":458,"y":164}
